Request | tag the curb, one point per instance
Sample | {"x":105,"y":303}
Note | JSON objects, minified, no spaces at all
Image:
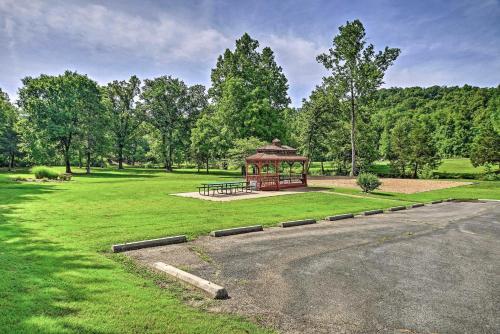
{"x":339,"y":217}
{"x":418,"y":205}
{"x":397,"y":208}
{"x":297,"y":223}
{"x":214,"y":290}
{"x":437,"y":202}
{"x":372,"y":212}
{"x":148,"y":243}
{"x":236,"y":230}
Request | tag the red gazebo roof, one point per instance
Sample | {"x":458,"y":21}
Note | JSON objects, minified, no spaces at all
{"x":276,"y":152}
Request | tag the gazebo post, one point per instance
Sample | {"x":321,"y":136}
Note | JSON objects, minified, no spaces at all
{"x":277,"y":172}
{"x":275,"y":155}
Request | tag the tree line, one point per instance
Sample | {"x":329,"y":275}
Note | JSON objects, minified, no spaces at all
{"x":348,"y":119}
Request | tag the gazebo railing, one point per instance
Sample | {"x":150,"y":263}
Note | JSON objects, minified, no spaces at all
{"x":275,"y":181}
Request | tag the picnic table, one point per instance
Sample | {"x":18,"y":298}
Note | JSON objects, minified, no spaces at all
{"x":221,"y":188}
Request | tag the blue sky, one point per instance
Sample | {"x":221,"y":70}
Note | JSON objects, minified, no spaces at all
{"x":442,"y":42}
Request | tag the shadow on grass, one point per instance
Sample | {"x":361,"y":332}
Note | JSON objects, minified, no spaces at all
{"x":41,"y":281}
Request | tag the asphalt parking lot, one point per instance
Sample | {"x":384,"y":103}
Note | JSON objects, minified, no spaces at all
{"x":434,"y":269}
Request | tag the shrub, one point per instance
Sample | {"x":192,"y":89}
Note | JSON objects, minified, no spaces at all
{"x":368,"y":182}
{"x":42,"y":172}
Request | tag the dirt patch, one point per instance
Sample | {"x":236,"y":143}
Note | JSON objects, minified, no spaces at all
{"x":405,"y":186}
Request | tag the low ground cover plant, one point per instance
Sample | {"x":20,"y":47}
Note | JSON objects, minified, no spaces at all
{"x":368,"y":182}
{"x":43,"y":172}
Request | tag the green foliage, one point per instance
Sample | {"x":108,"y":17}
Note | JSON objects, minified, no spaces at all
{"x":454,"y":115}
{"x":9,"y":131}
{"x":411,"y":147}
{"x":486,"y":145}
{"x":170,"y":105}
{"x":55,"y":108}
{"x":368,"y":182}
{"x":43,"y":172}
{"x":242,"y":148}
{"x":489,"y":173}
{"x":125,"y":115}
{"x":357,"y":71}
{"x":249,"y":92}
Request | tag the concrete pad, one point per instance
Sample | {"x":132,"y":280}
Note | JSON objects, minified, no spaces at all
{"x":245,"y":195}
{"x":236,"y":230}
{"x":297,"y":223}
{"x":214,"y":290}
{"x":148,"y":243}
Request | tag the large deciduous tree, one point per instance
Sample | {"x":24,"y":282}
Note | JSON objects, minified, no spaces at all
{"x":249,"y":91}
{"x":55,"y":106}
{"x":125,"y":116}
{"x":411,"y":147}
{"x":171,"y":106}
{"x":9,"y":137}
{"x":356,"y":72}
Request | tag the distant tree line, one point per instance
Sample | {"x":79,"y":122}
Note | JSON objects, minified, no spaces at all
{"x":348,"y":119}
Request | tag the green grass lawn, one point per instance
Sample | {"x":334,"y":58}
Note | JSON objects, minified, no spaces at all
{"x":449,"y":168}
{"x":57,"y":274}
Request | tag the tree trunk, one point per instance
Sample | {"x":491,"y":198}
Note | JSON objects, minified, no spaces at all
{"x":415,"y":171}
{"x":11,"y":161}
{"x":88,"y":162}
{"x":353,"y":134}
{"x":207,"y":165}
{"x":322,"y":168}
{"x":120,"y":156}
{"x":67,"y":162}
{"x":80,"y":163}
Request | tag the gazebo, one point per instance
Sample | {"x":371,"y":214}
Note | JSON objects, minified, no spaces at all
{"x":266,"y":169}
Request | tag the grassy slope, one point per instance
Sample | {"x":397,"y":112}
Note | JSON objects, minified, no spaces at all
{"x":458,"y":166}
{"x":57,"y":275}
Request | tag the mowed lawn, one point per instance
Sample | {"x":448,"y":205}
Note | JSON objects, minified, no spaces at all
{"x":57,"y":274}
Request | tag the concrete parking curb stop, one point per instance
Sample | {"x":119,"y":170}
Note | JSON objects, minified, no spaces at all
{"x":418,"y":205}
{"x":373,"y":212}
{"x":297,"y":223}
{"x":339,"y":217}
{"x":148,"y":243}
{"x":437,"y":202}
{"x":397,"y":208}
{"x":236,"y":230}
{"x":214,"y":290}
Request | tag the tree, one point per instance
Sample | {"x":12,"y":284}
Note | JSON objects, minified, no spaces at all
{"x":399,"y":147}
{"x":9,"y":137}
{"x":357,"y":72}
{"x":315,"y":120}
{"x":204,"y":140}
{"x":54,"y":106}
{"x":170,"y":106}
{"x":412,"y":147}
{"x":94,"y":127}
{"x":125,"y":116}
{"x":486,"y":146}
{"x":249,"y":92}
{"x":424,"y":153}
{"x":241,"y":149}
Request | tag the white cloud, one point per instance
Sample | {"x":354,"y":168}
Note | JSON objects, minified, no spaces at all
{"x":297,"y":56}
{"x":165,"y":38}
